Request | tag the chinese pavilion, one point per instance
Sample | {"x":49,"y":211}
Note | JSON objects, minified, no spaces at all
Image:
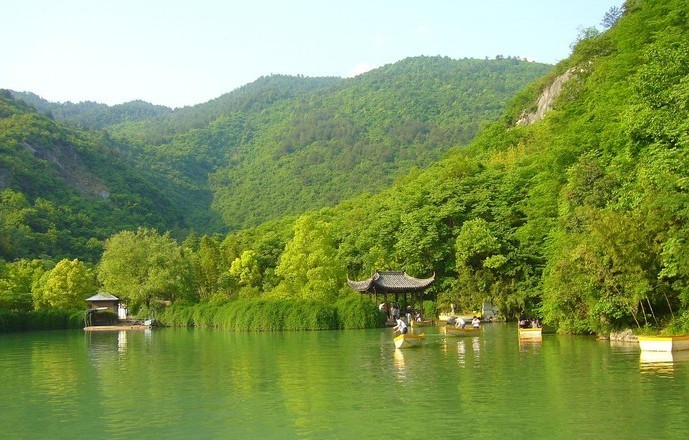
{"x":392,"y":282}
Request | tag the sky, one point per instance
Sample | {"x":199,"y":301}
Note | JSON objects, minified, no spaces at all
{"x":184,"y":52}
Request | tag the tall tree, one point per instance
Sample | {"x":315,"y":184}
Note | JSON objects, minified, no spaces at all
{"x":309,"y":266}
{"x":65,"y":287}
{"x":143,"y":268}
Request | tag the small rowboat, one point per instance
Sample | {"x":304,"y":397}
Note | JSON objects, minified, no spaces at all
{"x":664,"y":343}
{"x":451,"y":330}
{"x":530,"y":332}
{"x":424,"y":323}
{"x":408,"y":340}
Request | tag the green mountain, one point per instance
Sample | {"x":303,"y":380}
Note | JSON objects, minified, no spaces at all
{"x":280,"y":145}
{"x":572,"y":207}
{"x":284,"y":145}
{"x":251,"y":98}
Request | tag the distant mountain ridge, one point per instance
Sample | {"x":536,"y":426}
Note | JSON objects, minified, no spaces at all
{"x":90,"y":114}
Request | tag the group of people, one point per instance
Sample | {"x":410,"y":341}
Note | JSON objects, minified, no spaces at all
{"x":525,"y":322}
{"x":392,"y":311}
{"x":460,"y":322}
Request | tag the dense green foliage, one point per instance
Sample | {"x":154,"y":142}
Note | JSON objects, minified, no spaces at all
{"x":276,"y":146}
{"x":282,"y":145}
{"x":326,"y":146}
{"x":63,"y":191}
{"x":350,"y":312}
{"x":12,"y":321}
{"x":579,"y":216}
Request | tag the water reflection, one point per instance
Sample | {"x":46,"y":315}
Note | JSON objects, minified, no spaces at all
{"x":530,"y":344}
{"x":461,"y":352}
{"x":476,"y":345}
{"x":197,"y":383}
{"x":122,"y":341}
{"x":661,"y":362}
{"x":398,"y":362}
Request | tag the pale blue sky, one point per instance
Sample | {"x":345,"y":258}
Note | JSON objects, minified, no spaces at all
{"x":177,"y":53}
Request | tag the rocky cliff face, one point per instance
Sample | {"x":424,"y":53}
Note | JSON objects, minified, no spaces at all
{"x":545,"y":101}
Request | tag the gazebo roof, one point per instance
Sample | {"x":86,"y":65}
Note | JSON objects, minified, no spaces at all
{"x":103,"y":296}
{"x":392,"y":281}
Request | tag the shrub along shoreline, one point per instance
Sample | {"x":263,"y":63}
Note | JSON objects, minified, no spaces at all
{"x":13,"y":321}
{"x":261,"y":315}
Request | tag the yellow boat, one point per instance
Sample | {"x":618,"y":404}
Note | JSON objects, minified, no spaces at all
{"x":424,"y":323}
{"x":530,"y":332}
{"x":664,"y":343}
{"x":408,"y":340}
{"x":451,"y":330}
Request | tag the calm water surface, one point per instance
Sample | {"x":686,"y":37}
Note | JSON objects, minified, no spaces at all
{"x":172,"y":383}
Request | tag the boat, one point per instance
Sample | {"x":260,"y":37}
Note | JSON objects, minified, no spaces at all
{"x":664,"y":343}
{"x":530,"y":332}
{"x":452,"y":330}
{"x":409,"y":340}
{"x":423,"y":323}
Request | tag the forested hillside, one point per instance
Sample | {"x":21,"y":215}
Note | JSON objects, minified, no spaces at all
{"x":63,"y":191}
{"x":70,"y":188}
{"x":282,"y":145}
{"x":324,"y":147}
{"x":578,"y":215}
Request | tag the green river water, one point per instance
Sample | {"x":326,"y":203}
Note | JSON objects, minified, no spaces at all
{"x":191,"y":383}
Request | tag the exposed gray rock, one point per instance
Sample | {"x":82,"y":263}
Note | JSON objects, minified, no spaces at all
{"x":623,"y":336}
{"x":545,"y":101}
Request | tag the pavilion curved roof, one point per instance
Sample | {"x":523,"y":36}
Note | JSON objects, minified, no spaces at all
{"x":391,"y":281}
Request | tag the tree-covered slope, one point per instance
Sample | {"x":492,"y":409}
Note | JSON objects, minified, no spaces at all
{"x":254,"y":97}
{"x":61,"y":187}
{"x":580,"y":217}
{"x":92,"y":114}
{"x":282,"y":145}
{"x":322,"y":148}
{"x":288,"y":144}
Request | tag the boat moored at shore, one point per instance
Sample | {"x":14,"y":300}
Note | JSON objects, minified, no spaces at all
{"x":664,"y":343}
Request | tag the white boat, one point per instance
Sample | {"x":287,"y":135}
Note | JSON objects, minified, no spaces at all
{"x":664,"y":343}
{"x":409,"y":340}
